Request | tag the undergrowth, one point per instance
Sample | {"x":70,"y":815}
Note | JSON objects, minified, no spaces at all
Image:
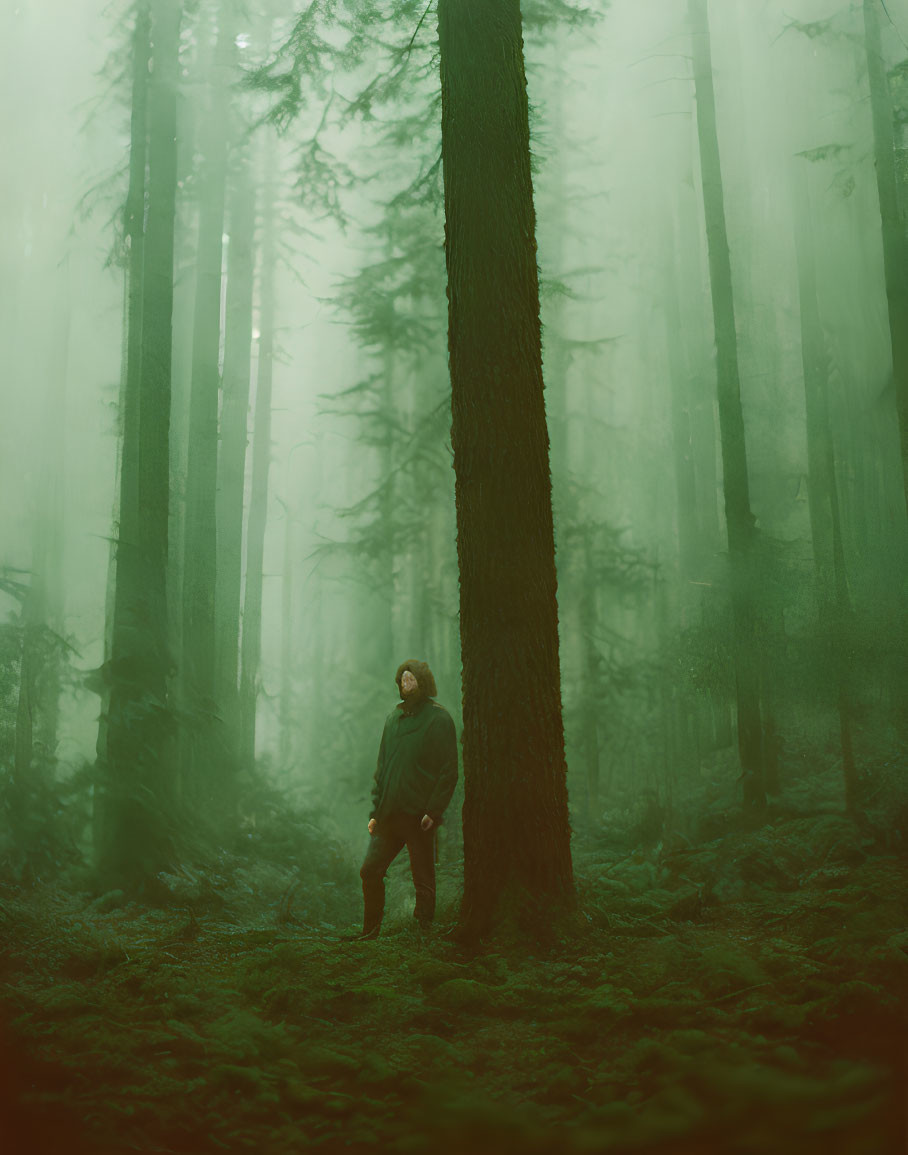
{"x":731,"y":994}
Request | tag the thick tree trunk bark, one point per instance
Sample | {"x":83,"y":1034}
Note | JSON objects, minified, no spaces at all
{"x":895,"y":245}
{"x":517,"y":861}
{"x":738,"y":516}
{"x":136,"y":836}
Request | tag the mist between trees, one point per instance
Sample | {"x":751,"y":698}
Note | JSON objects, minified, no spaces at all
{"x":228,"y":484}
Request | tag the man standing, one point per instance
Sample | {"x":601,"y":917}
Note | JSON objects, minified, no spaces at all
{"x":414,"y":781}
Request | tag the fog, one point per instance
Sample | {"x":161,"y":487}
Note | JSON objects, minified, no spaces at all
{"x":360,"y":562}
{"x":396,"y":393}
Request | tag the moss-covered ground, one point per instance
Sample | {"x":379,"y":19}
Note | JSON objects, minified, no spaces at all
{"x":744,"y":994}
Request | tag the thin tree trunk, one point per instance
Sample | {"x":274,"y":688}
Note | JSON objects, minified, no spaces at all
{"x":738,"y":516}
{"x":388,"y":463}
{"x":825,"y":520}
{"x":200,"y":527}
{"x":682,"y":440}
{"x":124,"y":564}
{"x":286,"y":712}
{"x":895,"y":246}
{"x":232,"y":457}
{"x":261,"y":460}
{"x":590,"y":682}
{"x":517,"y":861}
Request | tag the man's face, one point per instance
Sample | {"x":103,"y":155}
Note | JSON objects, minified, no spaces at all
{"x":408,"y":684}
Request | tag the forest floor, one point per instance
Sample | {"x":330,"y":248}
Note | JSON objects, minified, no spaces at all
{"x":746,"y":994}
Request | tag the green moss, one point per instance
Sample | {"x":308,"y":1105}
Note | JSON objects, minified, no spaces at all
{"x":724,"y":968}
{"x":463,"y":995}
{"x":324,"y":1060}
{"x":432,"y":972}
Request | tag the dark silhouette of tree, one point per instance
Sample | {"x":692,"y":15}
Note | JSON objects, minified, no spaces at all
{"x":895,"y":244}
{"x":825,"y":516}
{"x":517,"y":862}
{"x":738,"y":515}
{"x":137,"y":781}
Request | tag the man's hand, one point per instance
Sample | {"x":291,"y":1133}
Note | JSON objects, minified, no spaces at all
{"x":427,"y":823}
{"x":372,"y":825}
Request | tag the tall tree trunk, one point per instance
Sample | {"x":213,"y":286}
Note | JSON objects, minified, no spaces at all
{"x":895,"y":245}
{"x":232,"y":457}
{"x":825,"y":521}
{"x":517,"y":860}
{"x":286,"y":712}
{"x":689,"y":545}
{"x":388,"y":464}
{"x":590,"y":682}
{"x":42,"y":612}
{"x":261,"y":460}
{"x":139,"y":794}
{"x":123,"y":564}
{"x":738,"y":516}
{"x":48,"y":552}
{"x":700,"y":393}
{"x":198,"y":672}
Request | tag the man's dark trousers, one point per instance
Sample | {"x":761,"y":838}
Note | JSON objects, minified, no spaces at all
{"x":390,"y":837}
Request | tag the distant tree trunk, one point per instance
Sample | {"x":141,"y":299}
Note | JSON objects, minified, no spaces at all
{"x":139,"y":784}
{"x":42,"y":611}
{"x":825,"y":519}
{"x":232,"y":458}
{"x":192,"y":117}
{"x":198,"y":673}
{"x":738,"y":515}
{"x":517,"y":860}
{"x":49,"y":559}
{"x":689,"y":546}
{"x":591,"y":680}
{"x":700,"y":393}
{"x":316,"y":698}
{"x":261,"y":461}
{"x":895,"y":245}
{"x":285,"y":706}
{"x":692,"y":494}
{"x":25,"y":706}
{"x":388,"y":465}
{"x":123,"y":568}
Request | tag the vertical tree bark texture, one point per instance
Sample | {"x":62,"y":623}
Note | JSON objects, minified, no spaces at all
{"x":825,"y":520}
{"x":140,"y":778}
{"x":288,"y":722}
{"x":895,"y":245}
{"x":689,"y":546}
{"x":738,"y":515}
{"x":232,"y":453}
{"x":517,"y":862}
{"x":388,"y":465}
{"x":200,"y":527}
{"x":125,"y":561}
{"x":261,"y":461}
{"x":592,"y":677}
{"x":50,"y":527}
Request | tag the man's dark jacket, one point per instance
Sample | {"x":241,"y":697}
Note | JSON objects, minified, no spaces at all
{"x":417,"y":762}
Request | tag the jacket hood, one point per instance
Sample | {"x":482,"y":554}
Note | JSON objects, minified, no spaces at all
{"x":422,"y":674}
